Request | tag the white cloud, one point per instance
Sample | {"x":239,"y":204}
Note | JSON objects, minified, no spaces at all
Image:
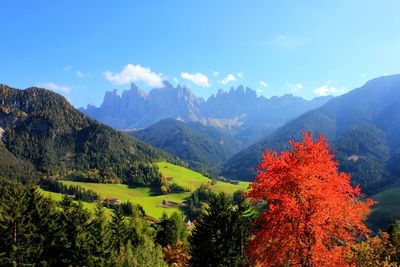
{"x":197,"y":78}
{"x":80,"y":74}
{"x":56,"y":87}
{"x":295,"y":87}
{"x":229,"y":78}
{"x":67,"y":68}
{"x":328,"y":89}
{"x":132,"y":73}
{"x":176,"y":80}
{"x":215,"y":73}
{"x":264,"y":84}
{"x":240,"y":75}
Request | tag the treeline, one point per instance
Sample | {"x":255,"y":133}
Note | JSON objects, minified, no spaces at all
{"x":133,"y":174}
{"x":75,"y":191}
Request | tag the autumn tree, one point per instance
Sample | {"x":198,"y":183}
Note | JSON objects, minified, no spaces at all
{"x":312,"y":214}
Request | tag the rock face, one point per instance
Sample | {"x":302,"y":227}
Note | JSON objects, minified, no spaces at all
{"x":135,"y":108}
{"x":239,"y":109}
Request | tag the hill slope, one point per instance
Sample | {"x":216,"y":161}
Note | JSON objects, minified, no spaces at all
{"x":363,"y":126}
{"x":202,"y":147}
{"x":40,"y":127}
{"x":387,"y":210}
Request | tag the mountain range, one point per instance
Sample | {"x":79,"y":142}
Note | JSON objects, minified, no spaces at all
{"x":41,"y":132}
{"x":240,"y":110}
{"x":363,"y":127}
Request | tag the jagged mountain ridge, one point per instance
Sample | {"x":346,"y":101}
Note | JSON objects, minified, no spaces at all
{"x":237,"y":109}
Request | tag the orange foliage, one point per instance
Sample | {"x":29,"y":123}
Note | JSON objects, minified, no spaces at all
{"x":313,"y":211}
{"x":176,"y":256}
{"x":374,"y":251}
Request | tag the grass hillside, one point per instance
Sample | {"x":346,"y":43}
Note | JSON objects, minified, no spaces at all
{"x":387,"y":209}
{"x":142,"y":195}
{"x":192,"y":180}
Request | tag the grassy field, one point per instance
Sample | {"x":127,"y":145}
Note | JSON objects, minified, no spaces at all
{"x":58,"y":197}
{"x":192,"y":180}
{"x":142,"y":196}
{"x":387,"y":209}
{"x":151,"y":204}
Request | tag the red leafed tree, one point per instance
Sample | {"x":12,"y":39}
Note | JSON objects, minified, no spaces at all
{"x":313,"y":213}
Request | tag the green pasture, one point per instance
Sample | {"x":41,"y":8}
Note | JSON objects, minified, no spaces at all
{"x":143,"y":196}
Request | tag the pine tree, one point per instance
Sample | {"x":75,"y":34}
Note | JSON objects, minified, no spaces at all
{"x":101,"y":243}
{"x":44,"y":219}
{"x":16,"y":230}
{"x":119,"y":230}
{"x":167,"y":233}
{"x":220,"y":235}
{"x":75,"y":241}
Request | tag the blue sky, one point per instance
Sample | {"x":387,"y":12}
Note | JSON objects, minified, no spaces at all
{"x":308,"y":48}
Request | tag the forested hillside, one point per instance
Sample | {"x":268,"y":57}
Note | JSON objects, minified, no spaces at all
{"x":40,"y":129}
{"x":204,"y":148}
{"x":363,"y":127}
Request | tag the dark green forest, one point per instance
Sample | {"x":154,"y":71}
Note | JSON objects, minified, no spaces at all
{"x":45,"y":136}
{"x":37,"y":231}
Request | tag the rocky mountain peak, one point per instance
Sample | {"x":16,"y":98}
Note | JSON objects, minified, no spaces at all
{"x":137,"y":109}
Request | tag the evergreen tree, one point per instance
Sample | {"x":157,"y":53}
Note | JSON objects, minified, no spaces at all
{"x":75,"y":239}
{"x":44,"y":219}
{"x":166,"y":234}
{"x":16,"y":242}
{"x":171,"y":229}
{"x":220,"y":235}
{"x":101,"y":245}
{"x":119,"y":230}
{"x":149,"y":254}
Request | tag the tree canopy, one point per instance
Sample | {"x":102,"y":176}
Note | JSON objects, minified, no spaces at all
{"x":312,"y":212}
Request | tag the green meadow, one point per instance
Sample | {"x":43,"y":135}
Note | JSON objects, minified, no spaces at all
{"x":192,"y":180}
{"x":152,"y":204}
{"x":58,"y":197}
